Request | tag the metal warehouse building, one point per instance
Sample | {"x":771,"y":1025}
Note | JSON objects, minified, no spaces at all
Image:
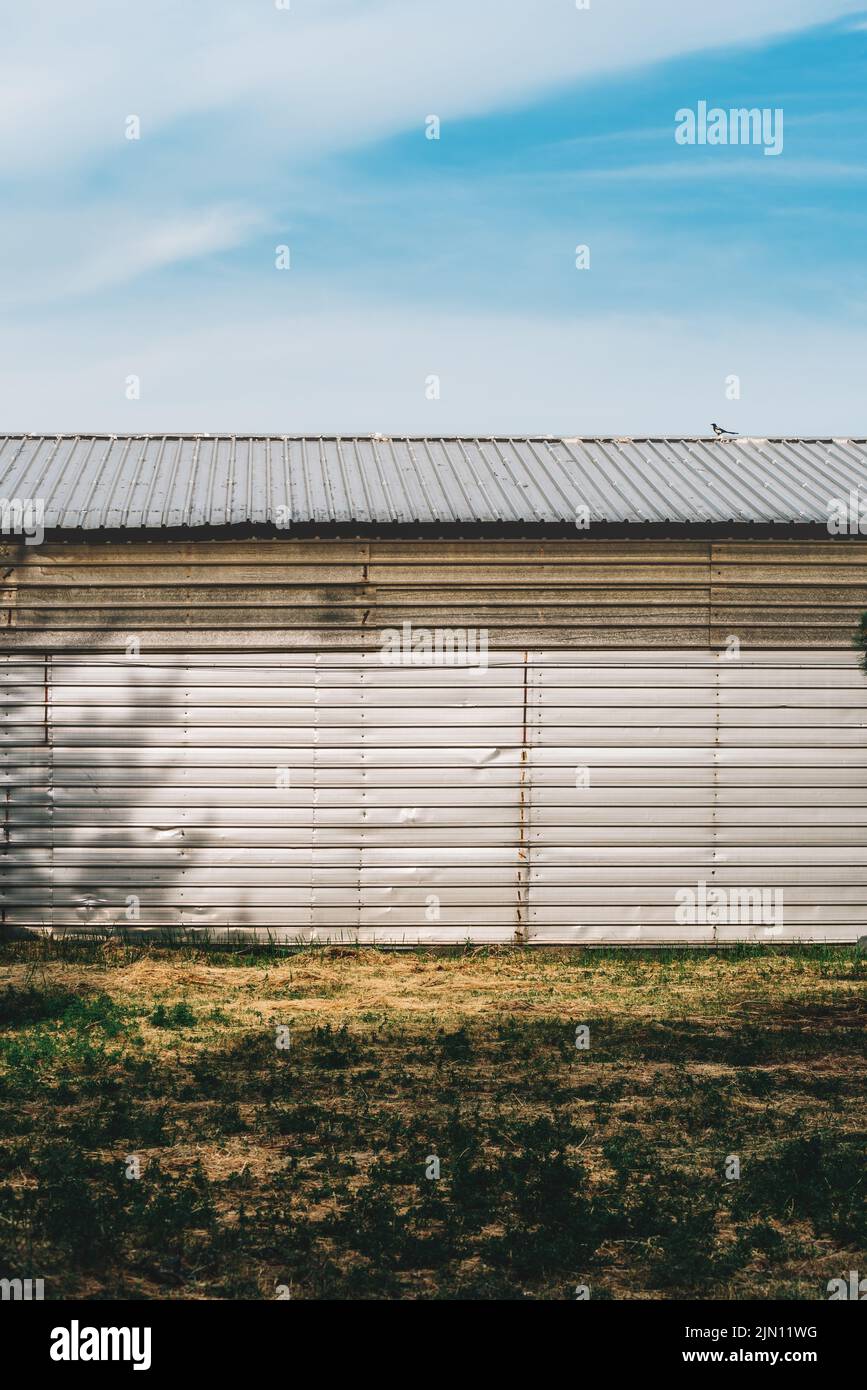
{"x":216,"y":718}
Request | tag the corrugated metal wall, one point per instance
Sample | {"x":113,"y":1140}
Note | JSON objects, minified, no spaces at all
{"x":269,"y":775}
{"x":314,"y":594}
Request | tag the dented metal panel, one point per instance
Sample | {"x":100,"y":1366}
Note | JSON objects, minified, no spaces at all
{"x":544,"y":797}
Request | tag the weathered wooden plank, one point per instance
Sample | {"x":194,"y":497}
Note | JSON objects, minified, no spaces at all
{"x":456,"y":595}
{"x":842,"y":550}
{"x":586,"y":571}
{"x":763,"y":570}
{"x":819,"y":635}
{"x":335,"y":638}
{"x":761,"y":595}
{"x":505,"y":626}
{"x":583,"y":548}
{"x":49,"y":596}
{"x":285,"y":550}
{"x":170,"y":575}
{"x":195,"y":552}
{"x":157,"y":618}
{"x":780,"y":618}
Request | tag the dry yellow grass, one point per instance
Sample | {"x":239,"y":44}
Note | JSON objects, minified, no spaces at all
{"x":337,"y":985}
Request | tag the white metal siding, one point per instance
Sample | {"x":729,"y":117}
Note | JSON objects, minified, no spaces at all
{"x":157,"y":777}
{"x":747,"y":773}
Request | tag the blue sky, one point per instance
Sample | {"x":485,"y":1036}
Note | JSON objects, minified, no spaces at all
{"x":413,"y":258}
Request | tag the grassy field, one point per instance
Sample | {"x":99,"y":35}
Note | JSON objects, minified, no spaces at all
{"x":301,"y":1170}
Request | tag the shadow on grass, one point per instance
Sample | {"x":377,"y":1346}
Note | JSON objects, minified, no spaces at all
{"x":310,"y":1167}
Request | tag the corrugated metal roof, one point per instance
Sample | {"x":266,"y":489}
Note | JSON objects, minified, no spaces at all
{"x":131,"y":481}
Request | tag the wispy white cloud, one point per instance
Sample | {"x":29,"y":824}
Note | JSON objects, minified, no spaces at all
{"x":328,"y":74}
{"x":689,"y":169}
{"x":103,"y":246}
{"x":135,"y":250}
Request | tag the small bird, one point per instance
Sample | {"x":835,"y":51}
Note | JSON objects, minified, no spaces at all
{"x":718,"y":430}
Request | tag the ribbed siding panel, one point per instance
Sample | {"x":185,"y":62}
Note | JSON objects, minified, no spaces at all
{"x":415,"y":790}
{"x":312,"y":595}
{"x":26,"y":780}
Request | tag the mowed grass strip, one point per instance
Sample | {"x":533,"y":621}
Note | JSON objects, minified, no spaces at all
{"x":302,"y":1168}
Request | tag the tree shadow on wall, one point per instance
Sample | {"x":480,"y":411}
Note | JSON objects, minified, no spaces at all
{"x":92,"y":750}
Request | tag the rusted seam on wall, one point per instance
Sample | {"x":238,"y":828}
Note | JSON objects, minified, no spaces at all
{"x":522,"y":904}
{"x":48,"y":738}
